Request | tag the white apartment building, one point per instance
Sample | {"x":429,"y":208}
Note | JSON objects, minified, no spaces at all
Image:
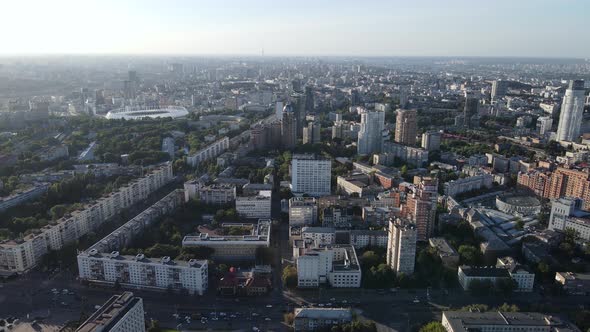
{"x":302,"y":211}
{"x":312,"y":319}
{"x":217,"y":194}
{"x":363,"y":238}
{"x":566,"y":212}
{"x":370,"y":136}
{"x":431,"y":140}
{"x":401,"y":246}
{"x":496,"y":321}
{"x":320,"y":235}
{"x":121,"y":313}
{"x":210,"y":151}
{"x":23,"y":196}
{"x":311,"y":175}
{"x":141,"y":272}
{"x":122,"y":236}
{"x":20,"y":255}
{"x":255,"y":207}
{"x":337,"y":265}
{"x":234,"y":247}
{"x":459,"y":186}
{"x":467,"y":274}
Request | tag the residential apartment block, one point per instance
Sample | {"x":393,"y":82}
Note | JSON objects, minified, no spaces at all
{"x":210,"y":151}
{"x":20,"y":255}
{"x":311,"y":175}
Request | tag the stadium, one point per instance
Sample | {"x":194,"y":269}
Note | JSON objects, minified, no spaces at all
{"x":136,"y":113}
{"x":518,"y":204}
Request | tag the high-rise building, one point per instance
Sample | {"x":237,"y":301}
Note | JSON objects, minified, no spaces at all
{"x":370,"y":136}
{"x":401,"y":246}
{"x":279,"y":110}
{"x":572,"y":110}
{"x":298,"y":106}
{"x":121,"y":313}
{"x":132,"y":76}
{"x":470,"y":111}
{"x":311,"y":175}
{"x":499,"y":89}
{"x":403,"y":97}
{"x":431,"y":140}
{"x":338,"y":130}
{"x":289,"y":128}
{"x":544,"y":124}
{"x":311,"y":133}
{"x":309,"y":100}
{"x":129,"y":89}
{"x":405,"y":127}
{"x":420,"y":207}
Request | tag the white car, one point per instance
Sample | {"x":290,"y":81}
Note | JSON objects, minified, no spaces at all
{"x":267,"y":319}
{"x":269,"y":305}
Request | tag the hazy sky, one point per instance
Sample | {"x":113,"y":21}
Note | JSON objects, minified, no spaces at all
{"x":540,"y":28}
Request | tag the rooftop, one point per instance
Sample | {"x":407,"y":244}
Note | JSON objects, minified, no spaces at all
{"x":468,"y":321}
{"x":110,"y":312}
{"x":485,"y":271}
{"x":323,"y":313}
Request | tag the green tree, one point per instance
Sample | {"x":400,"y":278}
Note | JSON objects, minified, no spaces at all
{"x":469,"y":255}
{"x":154,"y":326}
{"x":506,"y":286}
{"x":481,"y":287}
{"x":505,"y":307}
{"x":433,"y":327}
{"x":289,"y":276}
{"x":369,"y":259}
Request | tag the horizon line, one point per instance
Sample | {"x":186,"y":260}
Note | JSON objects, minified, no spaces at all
{"x":278,"y":55}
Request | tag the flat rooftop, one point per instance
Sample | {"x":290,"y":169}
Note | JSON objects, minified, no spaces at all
{"x":110,"y":313}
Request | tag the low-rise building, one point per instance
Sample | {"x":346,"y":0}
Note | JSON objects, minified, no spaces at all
{"x":574,"y":283}
{"x":477,"y":182}
{"x":303,"y":211}
{"x":321,"y":235}
{"x":337,"y":265}
{"x":524,"y":278}
{"x":311,"y":319}
{"x":567,"y":213}
{"x":255,"y":207}
{"x":377,"y":215}
{"x":467,"y":274}
{"x":447,"y":254}
{"x":217,"y":194}
{"x":465,"y":321}
{"x":22,"y":196}
{"x":364,"y":238}
{"x":233,"y":247}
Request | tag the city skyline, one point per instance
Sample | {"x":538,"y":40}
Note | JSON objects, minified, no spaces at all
{"x":328,"y":28}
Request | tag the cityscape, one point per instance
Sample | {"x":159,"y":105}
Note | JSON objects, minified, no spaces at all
{"x":235,"y":183}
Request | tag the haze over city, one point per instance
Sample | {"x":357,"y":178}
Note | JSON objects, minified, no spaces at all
{"x":527,"y":28}
{"x":329,"y":166}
